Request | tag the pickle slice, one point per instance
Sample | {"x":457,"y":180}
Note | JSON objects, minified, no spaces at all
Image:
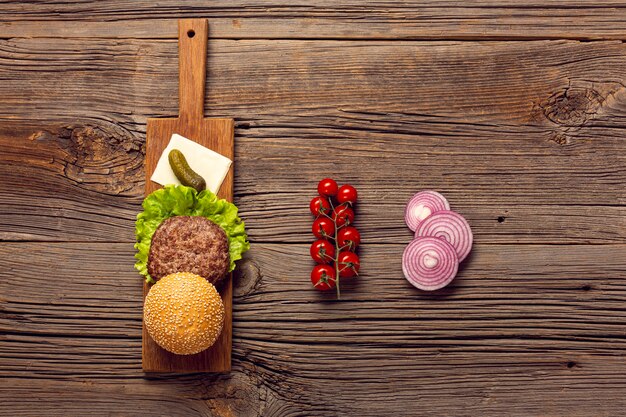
{"x":183,"y":171}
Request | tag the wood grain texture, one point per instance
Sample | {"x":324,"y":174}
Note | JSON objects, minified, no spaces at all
{"x":526,"y":139}
{"x":532,"y":135}
{"x":215,"y":134}
{"x":466,"y":350}
{"x":552,"y":89}
{"x":354,"y":19}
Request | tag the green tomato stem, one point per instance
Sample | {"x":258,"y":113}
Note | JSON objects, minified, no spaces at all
{"x":337,"y":248}
{"x":337,"y":261}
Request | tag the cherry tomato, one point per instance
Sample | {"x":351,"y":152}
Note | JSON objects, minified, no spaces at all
{"x":343,"y":215}
{"x":348,"y":237}
{"x":323,"y":277}
{"x":348,"y":264}
{"x":319,"y":205}
{"x":322,"y":251}
{"x":327,"y":187}
{"x":323,"y":227}
{"x":347,"y":194}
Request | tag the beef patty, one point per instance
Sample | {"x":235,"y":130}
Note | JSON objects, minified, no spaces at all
{"x":189,"y":244}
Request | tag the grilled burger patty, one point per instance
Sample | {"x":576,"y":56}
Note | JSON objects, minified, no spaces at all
{"x":189,"y":244}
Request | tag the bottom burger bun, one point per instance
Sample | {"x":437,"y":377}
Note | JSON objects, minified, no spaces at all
{"x":183,"y":313}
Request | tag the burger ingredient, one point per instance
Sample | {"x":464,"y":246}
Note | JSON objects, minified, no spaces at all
{"x":323,"y":227}
{"x":319,"y":205}
{"x":327,"y":187}
{"x":179,"y":200}
{"x":210,"y":165}
{"x":347,"y":194}
{"x":183,"y":171}
{"x":333,"y":227}
{"x":183,"y":313}
{"x":343,"y":215}
{"x":429,"y":263}
{"x":451,"y":227}
{"x":323,"y":277}
{"x":422,"y":205}
{"x":348,"y":264}
{"x":348,"y":238}
{"x":189,"y":244}
{"x":322,"y":251}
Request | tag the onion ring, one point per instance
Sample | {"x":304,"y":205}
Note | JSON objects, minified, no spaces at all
{"x":450,"y":226}
{"x":429,"y":263}
{"x":422,"y":205}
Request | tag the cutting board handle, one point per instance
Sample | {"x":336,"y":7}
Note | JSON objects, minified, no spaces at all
{"x":193,"y":35}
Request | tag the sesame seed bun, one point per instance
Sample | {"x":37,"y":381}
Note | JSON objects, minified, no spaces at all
{"x":183,"y":313}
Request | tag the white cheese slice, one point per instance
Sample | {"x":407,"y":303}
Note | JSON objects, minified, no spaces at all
{"x":212,"y":166}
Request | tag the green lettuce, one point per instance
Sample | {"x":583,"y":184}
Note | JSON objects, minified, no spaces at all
{"x":178,"y":200}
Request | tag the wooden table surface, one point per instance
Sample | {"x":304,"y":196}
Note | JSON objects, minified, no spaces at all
{"x":516,"y":112}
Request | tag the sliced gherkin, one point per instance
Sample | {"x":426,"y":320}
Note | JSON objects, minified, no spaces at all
{"x":183,"y":171}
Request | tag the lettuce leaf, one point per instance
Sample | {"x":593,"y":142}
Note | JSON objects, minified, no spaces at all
{"x":178,"y":200}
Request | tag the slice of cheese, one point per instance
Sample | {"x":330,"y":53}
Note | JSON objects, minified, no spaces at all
{"x":211,"y":165}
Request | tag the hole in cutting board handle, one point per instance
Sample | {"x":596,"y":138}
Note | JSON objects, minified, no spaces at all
{"x":191,"y":33}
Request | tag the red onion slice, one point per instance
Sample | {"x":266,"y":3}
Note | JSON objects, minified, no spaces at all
{"x":450,"y":226}
{"x":422,"y":205}
{"x":429,"y":263}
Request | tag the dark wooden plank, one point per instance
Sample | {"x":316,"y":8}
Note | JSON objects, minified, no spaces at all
{"x":80,"y":183}
{"x":538,"y":88}
{"x":95,"y":199}
{"x":518,"y":132}
{"x":457,"y":392}
{"x":96,"y":284}
{"x":371,"y":19}
{"x":481,"y":343}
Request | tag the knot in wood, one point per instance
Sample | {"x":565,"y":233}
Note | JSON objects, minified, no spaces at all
{"x":573,"y":106}
{"x":105,"y":159}
{"x":246,"y":278}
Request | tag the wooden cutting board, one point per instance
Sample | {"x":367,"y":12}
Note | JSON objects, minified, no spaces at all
{"x":215,"y":134}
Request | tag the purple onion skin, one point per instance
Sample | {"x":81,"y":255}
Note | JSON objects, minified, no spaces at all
{"x":429,"y":263}
{"x":422,"y":205}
